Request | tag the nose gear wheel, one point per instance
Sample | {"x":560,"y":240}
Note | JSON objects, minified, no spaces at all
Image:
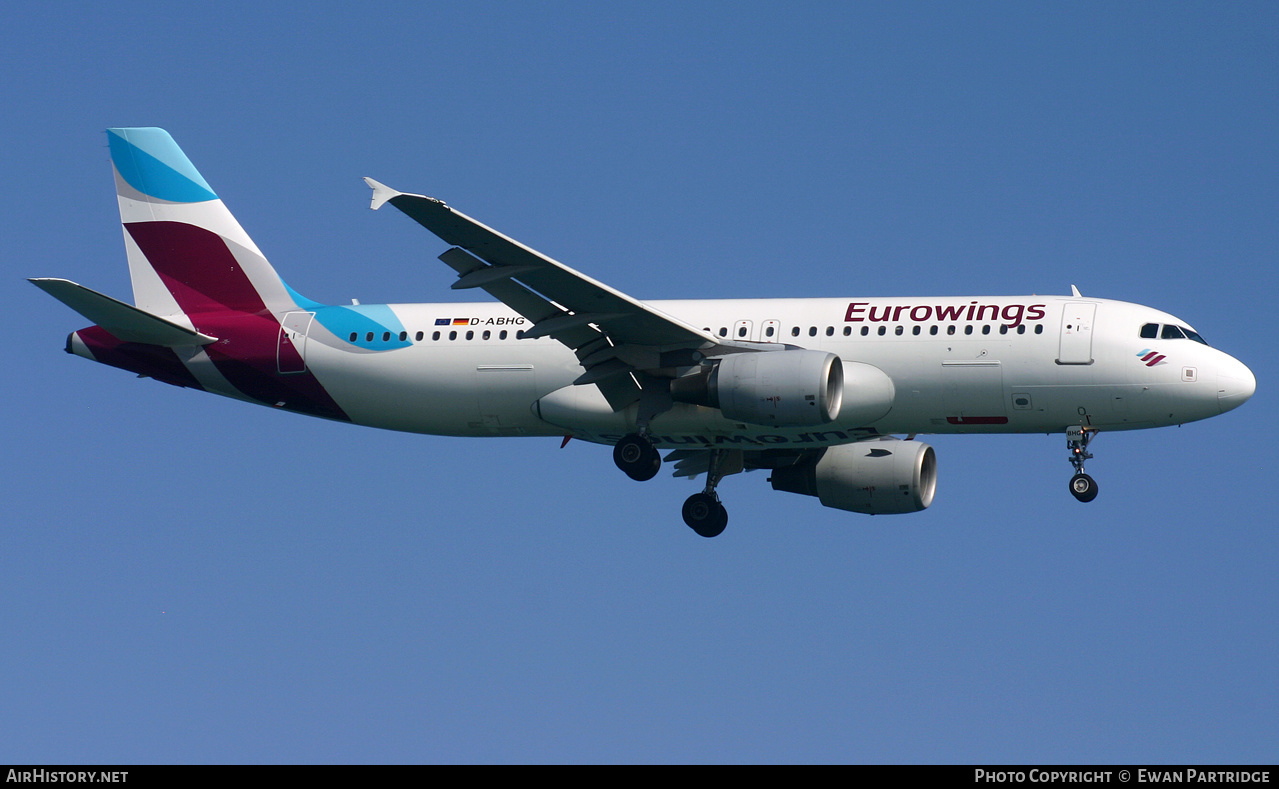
{"x":1082,"y":486}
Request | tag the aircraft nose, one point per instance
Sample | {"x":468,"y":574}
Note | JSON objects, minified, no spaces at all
{"x":1235,"y":384}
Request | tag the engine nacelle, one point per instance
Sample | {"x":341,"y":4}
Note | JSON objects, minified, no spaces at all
{"x":878,"y":477}
{"x":776,"y":388}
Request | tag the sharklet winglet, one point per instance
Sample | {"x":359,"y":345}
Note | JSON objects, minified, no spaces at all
{"x":381,"y":193}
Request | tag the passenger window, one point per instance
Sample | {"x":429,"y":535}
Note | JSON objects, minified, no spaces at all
{"x":741,"y":331}
{"x":915,"y":331}
{"x":368,"y":337}
{"x":932,"y":330}
{"x":470,"y":335}
{"x":487,"y":334}
{"x":435,"y":335}
{"x":830,"y":331}
{"x":883,"y":330}
{"x":1150,"y":331}
{"x":985,"y":329}
{"x":404,"y":336}
{"x":1171,"y":332}
{"x":968,"y":329}
{"x":1021,"y":329}
{"x":386,"y":336}
{"x":502,"y":335}
{"x":812,"y":331}
{"x":768,"y":332}
{"x":419,"y":336}
{"x":723,"y":331}
{"x":848,"y":330}
{"x":794,"y":332}
{"x":950,"y":329}
{"x":452,"y":335}
{"x":898,"y":331}
{"x":865,"y":330}
{"x":355,"y":336}
{"x":1039,"y":328}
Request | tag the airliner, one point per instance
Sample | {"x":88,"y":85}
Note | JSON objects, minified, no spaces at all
{"x":828,"y":395}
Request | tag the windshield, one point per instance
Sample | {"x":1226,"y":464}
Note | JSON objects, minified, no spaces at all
{"x":1170,"y":331}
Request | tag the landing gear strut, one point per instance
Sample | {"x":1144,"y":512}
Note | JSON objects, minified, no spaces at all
{"x":635,"y":454}
{"x":637,"y":457}
{"x":703,"y":512}
{"x":1082,"y":486}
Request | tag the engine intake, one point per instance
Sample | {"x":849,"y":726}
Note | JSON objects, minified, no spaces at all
{"x":879,"y":477}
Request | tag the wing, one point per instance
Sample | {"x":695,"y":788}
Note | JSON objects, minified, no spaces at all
{"x":694,"y":462}
{"x":614,"y":336}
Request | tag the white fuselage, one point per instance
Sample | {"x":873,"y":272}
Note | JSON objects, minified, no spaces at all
{"x":988,"y":365}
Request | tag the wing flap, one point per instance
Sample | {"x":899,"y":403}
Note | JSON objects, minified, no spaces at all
{"x":585,"y":340}
{"x":594,"y":320}
{"x":694,"y":462}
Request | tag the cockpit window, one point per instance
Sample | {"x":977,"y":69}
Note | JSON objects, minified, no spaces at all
{"x":1194,"y":335}
{"x":1151,"y":331}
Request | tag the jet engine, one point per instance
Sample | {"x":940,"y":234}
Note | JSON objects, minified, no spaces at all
{"x":776,"y":388}
{"x":876,"y":477}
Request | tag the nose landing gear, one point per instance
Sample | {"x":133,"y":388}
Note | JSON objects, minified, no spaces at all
{"x":1082,"y":486}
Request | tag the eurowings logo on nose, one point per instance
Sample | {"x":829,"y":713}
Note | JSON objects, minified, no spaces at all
{"x":1151,"y":358}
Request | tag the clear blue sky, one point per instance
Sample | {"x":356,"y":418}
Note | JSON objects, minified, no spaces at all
{"x":191,"y":579}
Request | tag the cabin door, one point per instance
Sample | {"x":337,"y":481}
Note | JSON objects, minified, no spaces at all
{"x":290,"y":353}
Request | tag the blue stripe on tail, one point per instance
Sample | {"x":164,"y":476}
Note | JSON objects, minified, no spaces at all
{"x":150,"y":161}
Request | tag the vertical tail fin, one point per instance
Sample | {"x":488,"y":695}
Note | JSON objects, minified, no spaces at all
{"x":187,"y":253}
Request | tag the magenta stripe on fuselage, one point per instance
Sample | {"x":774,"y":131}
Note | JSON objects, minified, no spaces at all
{"x":162,"y":364}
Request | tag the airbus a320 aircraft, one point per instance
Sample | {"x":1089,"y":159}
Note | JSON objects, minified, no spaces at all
{"x":814,"y":390}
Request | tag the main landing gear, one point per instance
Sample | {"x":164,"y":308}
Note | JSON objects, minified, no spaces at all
{"x":636,"y":456}
{"x":1082,"y":486}
{"x":704,"y":512}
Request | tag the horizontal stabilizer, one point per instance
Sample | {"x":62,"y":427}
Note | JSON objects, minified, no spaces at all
{"x":124,"y":321}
